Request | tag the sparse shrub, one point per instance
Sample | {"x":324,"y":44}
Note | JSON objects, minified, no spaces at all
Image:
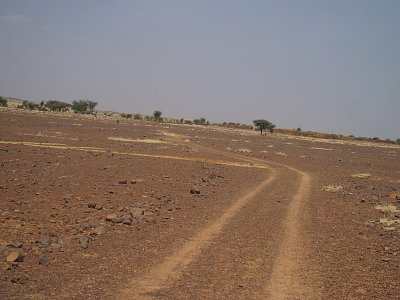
{"x":83,"y":106}
{"x":55,"y":105}
{"x":298,"y":129}
{"x":3,"y":102}
{"x":138,"y":117}
{"x":398,"y":142}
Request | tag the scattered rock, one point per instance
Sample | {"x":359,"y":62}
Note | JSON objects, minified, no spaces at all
{"x":114,"y":218}
{"x":333,"y":188}
{"x":43,"y":241}
{"x":16,"y":255}
{"x":137,"y":212}
{"x":123,"y":182}
{"x":99,"y":230}
{"x":92,"y":205}
{"x":22,"y":279}
{"x":84,"y":242}
{"x":17,"y":244}
{"x":44,"y":261}
{"x":195,"y":191}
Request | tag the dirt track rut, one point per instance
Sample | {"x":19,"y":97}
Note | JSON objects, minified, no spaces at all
{"x":254,"y":250}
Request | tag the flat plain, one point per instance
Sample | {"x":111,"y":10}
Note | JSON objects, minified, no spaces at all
{"x":95,"y":208}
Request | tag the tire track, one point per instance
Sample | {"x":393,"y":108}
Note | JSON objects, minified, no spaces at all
{"x":170,"y":269}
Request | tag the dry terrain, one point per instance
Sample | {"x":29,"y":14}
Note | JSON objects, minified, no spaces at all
{"x":99,"y":209}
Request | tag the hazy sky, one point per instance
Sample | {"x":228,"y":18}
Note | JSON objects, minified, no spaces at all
{"x":330,"y":66}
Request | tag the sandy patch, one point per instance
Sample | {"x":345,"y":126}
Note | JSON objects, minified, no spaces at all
{"x":319,"y":148}
{"x":281,"y":153}
{"x":146,"y":141}
{"x":361,"y":175}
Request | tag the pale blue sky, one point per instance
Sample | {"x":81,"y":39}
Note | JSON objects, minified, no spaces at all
{"x":330,"y":66}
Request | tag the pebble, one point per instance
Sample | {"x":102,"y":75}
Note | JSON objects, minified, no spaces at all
{"x":84,"y":242}
{"x":44,"y":261}
{"x":194,"y":191}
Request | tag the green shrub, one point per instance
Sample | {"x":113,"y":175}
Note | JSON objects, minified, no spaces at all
{"x":29,"y":105}
{"x":138,"y":117}
{"x":83,"y":106}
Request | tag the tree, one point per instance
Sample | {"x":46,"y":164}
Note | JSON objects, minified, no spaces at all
{"x":83,"y":106}
{"x":262,"y":124}
{"x":3,"y":102}
{"x":91,"y":105}
{"x":201,"y":121}
{"x":157,"y":115}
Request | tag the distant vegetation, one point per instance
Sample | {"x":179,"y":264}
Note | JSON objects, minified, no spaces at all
{"x":126,"y":116}
{"x":83,"y":106}
{"x":3,"y":102}
{"x":55,"y":105}
{"x":87,"y":107}
{"x":262,"y":124}
{"x":157,"y":116}
{"x":29,"y":105}
{"x":201,"y":121}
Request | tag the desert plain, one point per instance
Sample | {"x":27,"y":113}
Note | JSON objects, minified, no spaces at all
{"x":98,"y":208}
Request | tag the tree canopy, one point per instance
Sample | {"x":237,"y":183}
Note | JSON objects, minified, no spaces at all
{"x":262,"y":124}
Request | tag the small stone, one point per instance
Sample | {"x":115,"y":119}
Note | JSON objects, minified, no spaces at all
{"x":99,"y":230}
{"x":127,"y":221}
{"x":92,"y":205}
{"x":137,"y":212}
{"x":55,"y":246}
{"x":66,"y":240}
{"x":20,"y":279}
{"x":16,"y":255}
{"x":17,"y":244}
{"x":194,"y":191}
{"x":43,"y":241}
{"x":84,"y":242}
{"x":111,"y":217}
{"x":123,"y":182}
{"x":44,"y":261}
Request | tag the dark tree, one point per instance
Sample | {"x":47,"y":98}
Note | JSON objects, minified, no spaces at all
{"x":262,"y":124}
{"x":157,"y":115}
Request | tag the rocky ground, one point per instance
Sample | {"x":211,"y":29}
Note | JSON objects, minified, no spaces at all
{"x":99,"y":209}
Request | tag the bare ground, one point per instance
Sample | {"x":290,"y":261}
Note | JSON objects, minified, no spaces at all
{"x":136,"y":210}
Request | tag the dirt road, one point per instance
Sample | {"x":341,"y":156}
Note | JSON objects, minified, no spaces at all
{"x":198,"y":214}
